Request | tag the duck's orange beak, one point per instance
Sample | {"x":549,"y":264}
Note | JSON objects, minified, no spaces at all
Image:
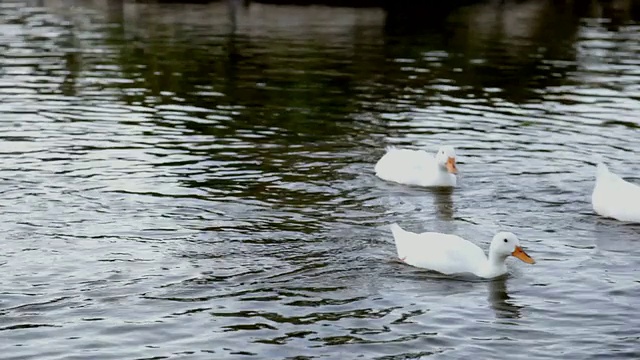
{"x":451,"y":165}
{"x":520,"y":254}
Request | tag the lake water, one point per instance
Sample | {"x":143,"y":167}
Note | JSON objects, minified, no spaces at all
{"x":186,"y":181}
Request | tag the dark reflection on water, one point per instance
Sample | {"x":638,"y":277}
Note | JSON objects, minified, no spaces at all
{"x":503,"y":305}
{"x":443,"y":199}
{"x":612,"y":235}
{"x":196,"y":180}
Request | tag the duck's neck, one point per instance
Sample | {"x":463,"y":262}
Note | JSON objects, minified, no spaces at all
{"x":444,"y":176}
{"x":495,"y":266}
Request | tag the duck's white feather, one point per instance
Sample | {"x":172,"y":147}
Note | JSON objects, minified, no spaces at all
{"x":614,"y":197}
{"x":444,"y":253}
{"x":412,"y":167}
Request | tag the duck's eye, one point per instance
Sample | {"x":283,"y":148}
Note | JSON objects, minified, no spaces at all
{"x":506,"y":240}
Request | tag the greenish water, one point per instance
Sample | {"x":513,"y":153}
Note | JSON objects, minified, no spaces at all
{"x":185,"y":181}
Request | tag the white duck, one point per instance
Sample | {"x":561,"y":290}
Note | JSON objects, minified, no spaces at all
{"x":451,"y":254}
{"x":417,"y":167}
{"x":614,"y":197}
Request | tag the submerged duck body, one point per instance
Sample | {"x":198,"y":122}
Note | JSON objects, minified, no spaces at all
{"x":450,"y":254}
{"x":613,"y":197}
{"x":417,"y":167}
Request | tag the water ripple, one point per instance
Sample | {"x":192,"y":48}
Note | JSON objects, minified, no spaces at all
{"x":176,"y":183}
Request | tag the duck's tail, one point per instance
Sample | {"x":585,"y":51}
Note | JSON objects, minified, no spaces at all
{"x":601,"y":167}
{"x":395,"y":229}
{"x":601,"y":170}
{"x":397,"y":232}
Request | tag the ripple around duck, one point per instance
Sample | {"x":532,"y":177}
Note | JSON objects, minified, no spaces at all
{"x":202,"y":194}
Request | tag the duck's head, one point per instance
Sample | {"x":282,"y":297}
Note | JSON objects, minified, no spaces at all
{"x":446,"y":157}
{"x":506,"y":244}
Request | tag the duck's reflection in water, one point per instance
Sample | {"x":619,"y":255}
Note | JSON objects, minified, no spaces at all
{"x":502,"y":304}
{"x":613,"y":235}
{"x":443,"y":200}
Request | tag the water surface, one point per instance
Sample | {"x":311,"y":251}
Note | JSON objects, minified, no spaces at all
{"x":186,"y":181}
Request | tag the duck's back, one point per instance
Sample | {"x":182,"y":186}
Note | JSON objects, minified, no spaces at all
{"x":411,"y":167}
{"x":444,"y":253}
